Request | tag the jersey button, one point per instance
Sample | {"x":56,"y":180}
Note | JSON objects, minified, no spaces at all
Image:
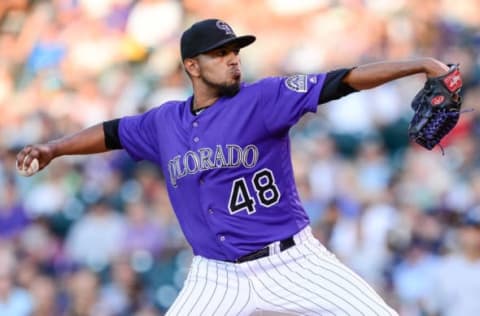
{"x":196,"y":139}
{"x":195,"y":124}
{"x":222,"y":238}
{"x":210,"y":211}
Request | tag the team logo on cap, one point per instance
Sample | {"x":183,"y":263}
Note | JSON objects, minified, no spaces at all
{"x":225,"y":27}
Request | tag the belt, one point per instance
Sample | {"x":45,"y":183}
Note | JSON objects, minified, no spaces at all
{"x":265,"y":252}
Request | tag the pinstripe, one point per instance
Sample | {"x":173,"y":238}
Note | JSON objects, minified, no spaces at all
{"x":224,"y":293}
{"x":190,"y":285}
{"x":201,"y":292}
{"x":343,"y":267}
{"x":193,"y":290}
{"x":374,"y":297}
{"x":331,"y":283}
{"x":322,"y":287}
{"x":270,"y":304}
{"x":268,"y":289}
{"x":310,"y":281}
{"x":303,"y":237}
{"x":214,"y":289}
{"x":281,"y":286}
{"x":304,"y":288}
{"x":248,"y":300}
{"x":340,"y":286}
{"x":236,"y":295}
{"x":194,"y":284}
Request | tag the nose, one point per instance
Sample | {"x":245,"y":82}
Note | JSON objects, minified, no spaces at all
{"x":233,"y":58}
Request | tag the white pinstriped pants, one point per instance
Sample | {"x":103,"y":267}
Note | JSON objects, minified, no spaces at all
{"x":305,"y":279}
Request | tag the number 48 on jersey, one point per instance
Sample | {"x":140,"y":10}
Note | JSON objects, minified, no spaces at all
{"x":266,"y":192}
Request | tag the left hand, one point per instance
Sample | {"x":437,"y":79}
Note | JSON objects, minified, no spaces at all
{"x":437,"y":109}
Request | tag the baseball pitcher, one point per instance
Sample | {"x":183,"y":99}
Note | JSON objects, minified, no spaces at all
{"x":225,"y":153}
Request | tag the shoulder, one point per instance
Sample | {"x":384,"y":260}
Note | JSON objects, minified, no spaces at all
{"x":169,"y":106}
{"x":174,"y":104}
{"x":265,"y":87}
{"x":261,"y":83}
{"x":170,"y":112}
{"x":296,"y":82}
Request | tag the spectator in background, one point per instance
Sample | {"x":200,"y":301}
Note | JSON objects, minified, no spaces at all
{"x":413,"y":276}
{"x":361,"y":240}
{"x":127,"y":50}
{"x":373,"y":171}
{"x":147,"y":13}
{"x":456,"y":283}
{"x":13,"y":219}
{"x":324,"y":174}
{"x":46,"y":198}
{"x":96,"y":239}
{"x":83,"y":292}
{"x":45,"y":297}
{"x":123,"y":295}
{"x":143,"y":233}
{"x":14,"y":301}
{"x":40,"y":251}
{"x":47,"y":52}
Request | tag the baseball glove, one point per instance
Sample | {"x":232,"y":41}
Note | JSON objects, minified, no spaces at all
{"x":437,"y":108}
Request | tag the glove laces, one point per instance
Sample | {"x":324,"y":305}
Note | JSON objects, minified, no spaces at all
{"x":438,"y":126}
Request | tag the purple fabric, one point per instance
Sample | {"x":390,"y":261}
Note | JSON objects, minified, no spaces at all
{"x":12,"y":221}
{"x":233,"y":143}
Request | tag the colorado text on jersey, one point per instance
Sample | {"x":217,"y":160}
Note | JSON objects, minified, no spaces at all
{"x":205,"y":158}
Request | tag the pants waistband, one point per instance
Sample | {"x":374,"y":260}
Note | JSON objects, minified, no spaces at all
{"x":277,"y":246}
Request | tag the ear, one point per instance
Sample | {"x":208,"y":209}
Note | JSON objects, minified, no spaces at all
{"x":192,"y":67}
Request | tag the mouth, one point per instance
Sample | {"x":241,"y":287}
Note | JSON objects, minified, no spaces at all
{"x":236,"y":74}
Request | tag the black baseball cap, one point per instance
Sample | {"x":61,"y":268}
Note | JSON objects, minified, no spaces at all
{"x":210,"y":34}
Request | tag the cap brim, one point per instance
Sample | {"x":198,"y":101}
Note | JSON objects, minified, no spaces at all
{"x":240,"y":41}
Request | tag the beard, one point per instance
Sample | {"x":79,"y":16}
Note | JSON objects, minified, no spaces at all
{"x":224,"y":90}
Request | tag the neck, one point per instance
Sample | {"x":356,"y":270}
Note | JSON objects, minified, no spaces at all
{"x":200,"y":101}
{"x":203,"y":95}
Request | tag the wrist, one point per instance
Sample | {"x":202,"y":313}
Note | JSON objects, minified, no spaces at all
{"x":54,"y":149}
{"x":434,"y":68}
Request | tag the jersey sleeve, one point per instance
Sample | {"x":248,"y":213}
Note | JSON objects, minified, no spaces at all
{"x":334,"y":87}
{"x":137,"y":136}
{"x":286,"y":99}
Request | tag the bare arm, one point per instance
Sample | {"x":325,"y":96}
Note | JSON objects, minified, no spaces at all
{"x":87,"y":141}
{"x":371,"y":75}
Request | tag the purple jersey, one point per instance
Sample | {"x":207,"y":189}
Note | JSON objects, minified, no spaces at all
{"x":228,"y":170}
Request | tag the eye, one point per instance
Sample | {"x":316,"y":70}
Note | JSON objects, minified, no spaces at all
{"x":221,"y":52}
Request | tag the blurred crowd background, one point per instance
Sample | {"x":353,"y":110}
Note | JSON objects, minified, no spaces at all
{"x":96,"y":235}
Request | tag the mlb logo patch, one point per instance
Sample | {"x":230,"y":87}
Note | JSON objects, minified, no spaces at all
{"x":297,"y":83}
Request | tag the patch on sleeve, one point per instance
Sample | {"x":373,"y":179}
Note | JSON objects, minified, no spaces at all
{"x":297,"y":83}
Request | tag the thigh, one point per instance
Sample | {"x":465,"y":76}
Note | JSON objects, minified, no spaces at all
{"x":309,"y":280}
{"x":213,"y":288}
